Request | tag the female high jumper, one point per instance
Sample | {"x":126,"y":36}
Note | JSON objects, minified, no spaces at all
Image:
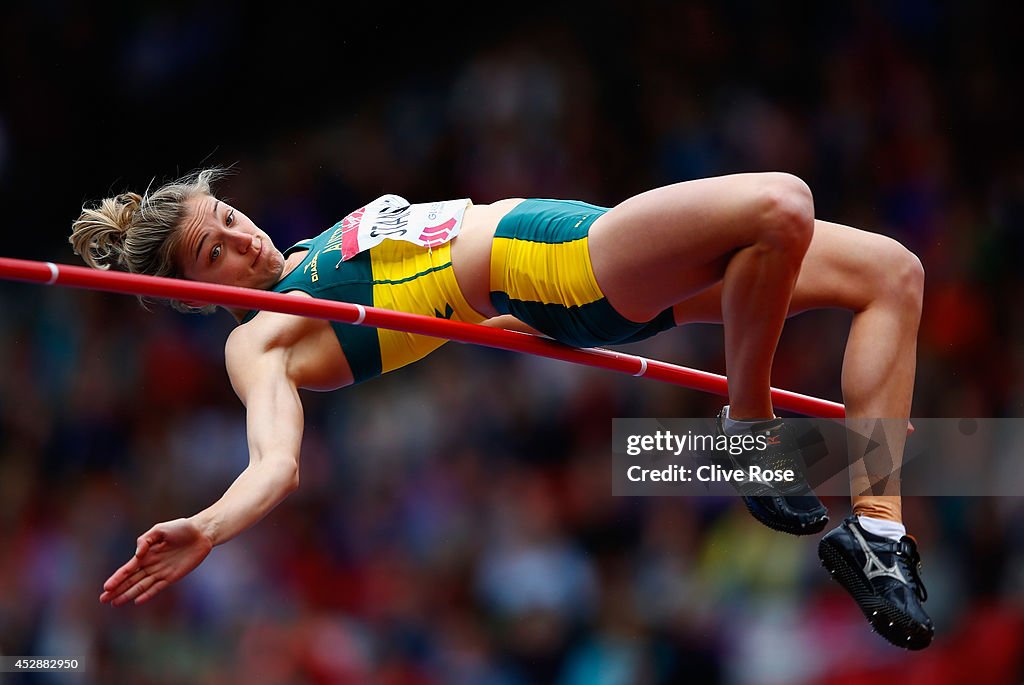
{"x":744,"y":250}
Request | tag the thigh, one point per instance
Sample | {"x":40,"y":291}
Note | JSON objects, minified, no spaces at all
{"x":663,"y":246}
{"x":840,"y":270}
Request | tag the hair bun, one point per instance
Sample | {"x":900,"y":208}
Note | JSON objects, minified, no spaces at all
{"x":128,"y":204}
{"x":99,"y":234}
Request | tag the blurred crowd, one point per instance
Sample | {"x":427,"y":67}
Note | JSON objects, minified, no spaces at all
{"x":455,"y":523}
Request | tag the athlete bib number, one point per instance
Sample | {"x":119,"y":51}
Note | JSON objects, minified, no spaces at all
{"x":391,"y":217}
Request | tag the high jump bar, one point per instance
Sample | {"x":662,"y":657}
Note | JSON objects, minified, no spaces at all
{"x":49,"y":273}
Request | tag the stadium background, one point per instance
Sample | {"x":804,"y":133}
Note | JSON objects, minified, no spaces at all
{"x":454,"y":523}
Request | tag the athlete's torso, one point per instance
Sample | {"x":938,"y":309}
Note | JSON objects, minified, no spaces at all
{"x":406,"y":279}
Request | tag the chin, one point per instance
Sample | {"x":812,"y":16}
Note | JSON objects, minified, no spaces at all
{"x":275,"y":269}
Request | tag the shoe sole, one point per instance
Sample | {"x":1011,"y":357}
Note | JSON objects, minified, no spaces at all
{"x":814,"y":527}
{"x":887,"y":620}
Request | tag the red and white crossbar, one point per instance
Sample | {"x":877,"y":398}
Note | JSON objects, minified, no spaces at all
{"x":49,"y":273}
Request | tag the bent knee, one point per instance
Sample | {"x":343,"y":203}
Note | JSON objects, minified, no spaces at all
{"x":786,"y":211}
{"x":906,"y":277}
{"x":895,"y":274}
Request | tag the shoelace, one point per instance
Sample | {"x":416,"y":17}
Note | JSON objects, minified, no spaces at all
{"x":913,"y":563}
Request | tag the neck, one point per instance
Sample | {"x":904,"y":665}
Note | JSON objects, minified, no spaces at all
{"x":290,"y":264}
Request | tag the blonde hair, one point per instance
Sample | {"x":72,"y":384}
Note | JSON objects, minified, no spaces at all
{"x":140,"y":233}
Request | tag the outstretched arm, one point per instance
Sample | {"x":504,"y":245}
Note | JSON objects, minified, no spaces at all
{"x":170,"y":550}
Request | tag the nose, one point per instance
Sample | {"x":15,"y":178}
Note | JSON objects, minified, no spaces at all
{"x":243,"y":242}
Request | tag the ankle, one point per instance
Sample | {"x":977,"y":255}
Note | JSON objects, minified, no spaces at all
{"x":755,"y":411}
{"x":733,"y":425}
{"x":894,"y":530}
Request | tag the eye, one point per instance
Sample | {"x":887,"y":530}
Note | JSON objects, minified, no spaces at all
{"x":230,"y":218}
{"x":214,"y":253}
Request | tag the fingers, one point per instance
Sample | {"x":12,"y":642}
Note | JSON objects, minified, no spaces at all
{"x":140,"y":586}
{"x":160,"y":559}
{"x":134,"y":590}
{"x":130,"y":580}
{"x":147,"y":540}
{"x":120,"y":583}
{"x":157,"y":587}
{"x":122,"y":574}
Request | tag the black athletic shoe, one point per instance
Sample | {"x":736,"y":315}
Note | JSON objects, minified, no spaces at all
{"x":788,"y":507}
{"x":884,"y":577}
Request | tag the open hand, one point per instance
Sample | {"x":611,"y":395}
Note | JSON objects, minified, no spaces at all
{"x":165,"y":553}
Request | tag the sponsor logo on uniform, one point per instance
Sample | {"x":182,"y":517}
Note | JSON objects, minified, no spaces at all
{"x":310,"y":268}
{"x":437,"y":235}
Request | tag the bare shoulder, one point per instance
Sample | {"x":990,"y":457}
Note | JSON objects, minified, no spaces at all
{"x":305,"y":350}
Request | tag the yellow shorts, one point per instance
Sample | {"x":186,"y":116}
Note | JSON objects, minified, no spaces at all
{"x":541,"y":273}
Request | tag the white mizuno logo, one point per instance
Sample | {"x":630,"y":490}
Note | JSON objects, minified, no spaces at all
{"x":873,"y":567}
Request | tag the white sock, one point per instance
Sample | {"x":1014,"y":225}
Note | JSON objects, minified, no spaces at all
{"x":887,"y":529}
{"x":738,"y":426}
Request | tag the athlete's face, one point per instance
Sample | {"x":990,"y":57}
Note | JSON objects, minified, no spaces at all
{"x":219,"y":244}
